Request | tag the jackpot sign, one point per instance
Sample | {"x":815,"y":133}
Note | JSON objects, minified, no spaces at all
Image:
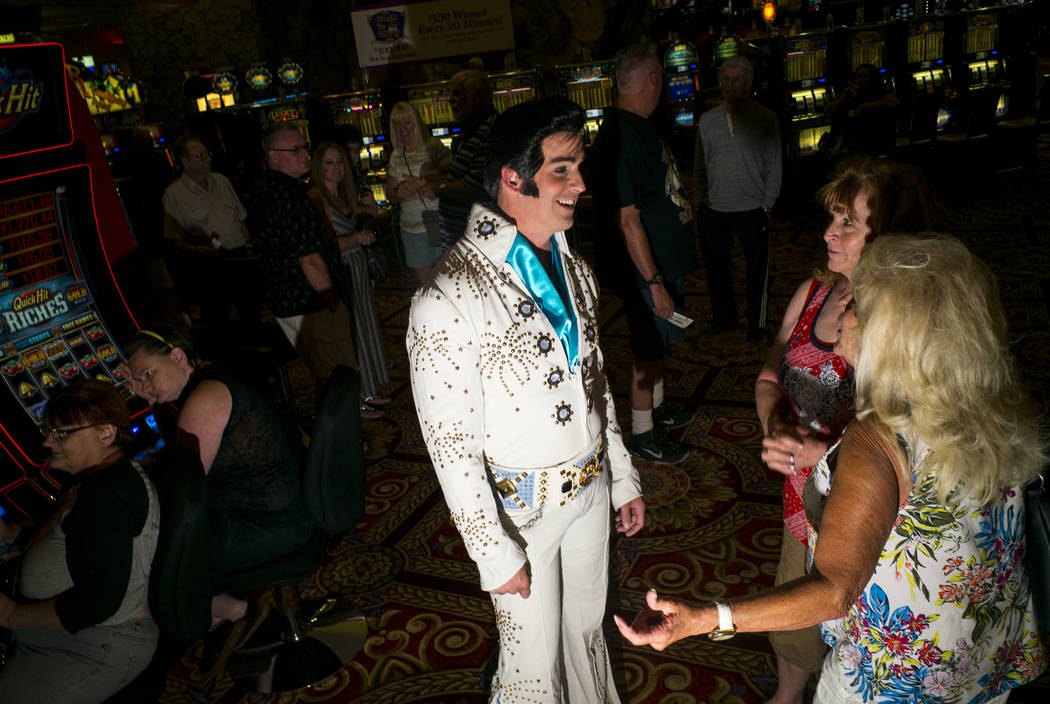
{"x":397,"y":33}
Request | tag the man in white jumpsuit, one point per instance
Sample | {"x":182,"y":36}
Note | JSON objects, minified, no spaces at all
{"x":516,"y":413}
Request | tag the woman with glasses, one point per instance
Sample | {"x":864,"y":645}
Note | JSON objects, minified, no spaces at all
{"x":335,"y":195}
{"x":418,"y":166}
{"x":250,"y":453}
{"x":80,"y":619}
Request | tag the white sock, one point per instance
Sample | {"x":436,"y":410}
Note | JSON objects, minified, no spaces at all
{"x":641,"y":421}
{"x":658,"y":393}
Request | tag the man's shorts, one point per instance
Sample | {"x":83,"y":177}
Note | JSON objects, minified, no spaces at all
{"x":651,"y":335}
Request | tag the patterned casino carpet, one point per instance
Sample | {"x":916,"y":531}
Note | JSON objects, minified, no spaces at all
{"x":713,"y":526}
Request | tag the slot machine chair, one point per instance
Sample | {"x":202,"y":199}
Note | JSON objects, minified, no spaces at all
{"x":1017,"y":138}
{"x":180,"y":573}
{"x":318,"y":641}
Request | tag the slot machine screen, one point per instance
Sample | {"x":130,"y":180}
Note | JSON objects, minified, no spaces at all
{"x":680,"y":67}
{"x":51,"y":330}
{"x":680,"y":87}
{"x":1002,"y":107}
{"x":432,"y":103}
{"x":805,"y":60}
{"x":820,"y":98}
{"x":979,"y":72}
{"x":799,"y":99}
{"x":867,"y":47}
{"x":926,"y":42}
{"x":981,"y":33}
{"x":944,"y":118}
{"x":683,"y":118}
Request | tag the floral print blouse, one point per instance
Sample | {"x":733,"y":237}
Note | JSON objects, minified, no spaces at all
{"x":947,"y":615}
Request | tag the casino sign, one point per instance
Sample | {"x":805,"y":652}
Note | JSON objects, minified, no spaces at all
{"x":19,"y":95}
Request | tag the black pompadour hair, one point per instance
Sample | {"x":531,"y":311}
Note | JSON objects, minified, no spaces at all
{"x":516,"y":139}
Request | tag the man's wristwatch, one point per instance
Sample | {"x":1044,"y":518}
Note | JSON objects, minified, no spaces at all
{"x":658,"y":278}
{"x":726,"y":629}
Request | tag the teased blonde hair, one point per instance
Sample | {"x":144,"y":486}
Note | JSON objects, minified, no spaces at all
{"x":934,"y":364}
{"x":406,"y":108}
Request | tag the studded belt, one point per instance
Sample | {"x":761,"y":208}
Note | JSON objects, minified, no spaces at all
{"x":532,"y":488}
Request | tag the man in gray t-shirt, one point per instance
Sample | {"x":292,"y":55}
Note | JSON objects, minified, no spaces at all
{"x":737,"y":172}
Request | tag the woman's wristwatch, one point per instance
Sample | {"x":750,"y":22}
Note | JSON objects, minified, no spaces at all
{"x":726,"y":629}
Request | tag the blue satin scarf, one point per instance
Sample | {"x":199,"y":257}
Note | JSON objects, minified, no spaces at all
{"x":525,"y":263}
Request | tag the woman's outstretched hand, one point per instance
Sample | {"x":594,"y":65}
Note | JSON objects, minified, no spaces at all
{"x":663,"y":623}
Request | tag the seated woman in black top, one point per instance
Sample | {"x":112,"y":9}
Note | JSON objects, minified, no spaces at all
{"x":249,"y":450}
{"x":81,"y":620}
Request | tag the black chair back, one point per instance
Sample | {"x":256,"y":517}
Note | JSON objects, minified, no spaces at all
{"x":334,"y":472}
{"x":180,"y":583}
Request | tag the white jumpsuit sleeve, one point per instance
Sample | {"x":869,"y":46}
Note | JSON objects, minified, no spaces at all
{"x":443,"y":353}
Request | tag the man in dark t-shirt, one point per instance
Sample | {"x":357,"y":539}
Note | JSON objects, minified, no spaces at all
{"x":644,"y":226}
{"x":299,"y":259}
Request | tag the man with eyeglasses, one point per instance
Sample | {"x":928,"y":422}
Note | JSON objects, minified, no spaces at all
{"x":299,"y":258}
{"x":204,"y":225}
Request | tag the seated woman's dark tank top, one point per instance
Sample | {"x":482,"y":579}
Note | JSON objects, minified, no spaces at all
{"x":257,"y":465}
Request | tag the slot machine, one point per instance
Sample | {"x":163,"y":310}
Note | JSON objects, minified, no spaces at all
{"x":981,"y":73}
{"x":364,"y":110}
{"x":928,"y":78}
{"x":806,"y":90}
{"x":431,"y":101}
{"x":63,"y":234}
{"x":509,"y":89}
{"x":683,"y":82}
{"x":589,"y":85}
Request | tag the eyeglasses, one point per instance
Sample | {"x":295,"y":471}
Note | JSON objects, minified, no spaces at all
{"x":63,"y":433}
{"x":202,"y":155}
{"x":293,"y":150}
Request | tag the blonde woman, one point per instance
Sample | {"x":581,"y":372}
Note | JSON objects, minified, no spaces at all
{"x":804,"y":393}
{"x":918,"y":576}
{"x":336,"y":195}
{"x":418,"y":164}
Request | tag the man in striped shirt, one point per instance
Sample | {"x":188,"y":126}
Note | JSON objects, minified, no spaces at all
{"x":471,"y":102}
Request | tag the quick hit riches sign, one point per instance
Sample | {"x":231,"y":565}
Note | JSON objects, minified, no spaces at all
{"x":51,"y":334}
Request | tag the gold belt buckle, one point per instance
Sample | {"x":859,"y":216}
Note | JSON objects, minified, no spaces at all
{"x":506,"y":488}
{"x":591,"y":467}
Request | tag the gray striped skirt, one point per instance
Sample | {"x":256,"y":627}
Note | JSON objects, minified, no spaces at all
{"x":368,"y":337}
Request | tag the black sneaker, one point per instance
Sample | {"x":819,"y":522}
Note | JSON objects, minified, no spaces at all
{"x":669,"y":417}
{"x":646,"y":446}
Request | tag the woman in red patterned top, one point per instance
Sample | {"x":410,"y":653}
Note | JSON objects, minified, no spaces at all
{"x":804,"y":393}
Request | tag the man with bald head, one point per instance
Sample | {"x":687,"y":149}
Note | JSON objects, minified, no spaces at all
{"x":471,"y":102}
